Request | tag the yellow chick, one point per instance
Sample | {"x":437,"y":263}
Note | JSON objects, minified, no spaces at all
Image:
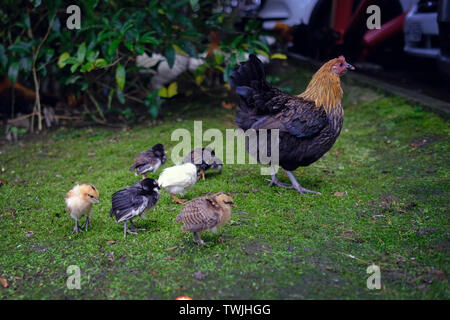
{"x":79,"y":201}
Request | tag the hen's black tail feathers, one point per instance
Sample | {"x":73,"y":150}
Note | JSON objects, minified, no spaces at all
{"x":247,"y":80}
{"x":242,"y":78}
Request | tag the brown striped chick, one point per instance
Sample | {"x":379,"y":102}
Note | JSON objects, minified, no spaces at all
{"x":205,"y":213}
{"x":79,"y":203}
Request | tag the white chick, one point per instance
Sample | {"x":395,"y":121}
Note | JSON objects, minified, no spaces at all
{"x":177,"y":179}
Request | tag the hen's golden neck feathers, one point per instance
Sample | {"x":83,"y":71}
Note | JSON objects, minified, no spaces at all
{"x":324,"y":88}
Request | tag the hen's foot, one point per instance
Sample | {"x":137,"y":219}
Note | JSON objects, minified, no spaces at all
{"x":302,"y":190}
{"x":297,"y":185}
{"x":275,"y":182}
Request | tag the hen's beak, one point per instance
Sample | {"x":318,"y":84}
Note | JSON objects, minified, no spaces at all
{"x":348,"y":66}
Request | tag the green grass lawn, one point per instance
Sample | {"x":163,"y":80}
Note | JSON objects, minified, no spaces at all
{"x":385,"y":197}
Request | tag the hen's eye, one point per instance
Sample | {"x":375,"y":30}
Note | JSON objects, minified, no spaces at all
{"x":340,"y":64}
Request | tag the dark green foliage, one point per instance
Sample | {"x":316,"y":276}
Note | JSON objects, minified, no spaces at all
{"x":98,"y":59}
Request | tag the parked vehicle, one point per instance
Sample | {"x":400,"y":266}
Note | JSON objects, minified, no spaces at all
{"x":322,"y":28}
{"x":422,"y":30}
{"x":444,"y":36}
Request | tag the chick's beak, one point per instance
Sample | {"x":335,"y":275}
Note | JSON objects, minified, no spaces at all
{"x":95,"y":200}
{"x":233,"y":204}
{"x":348,"y":66}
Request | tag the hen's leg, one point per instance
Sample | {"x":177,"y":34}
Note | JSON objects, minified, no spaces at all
{"x":275,"y":182}
{"x":297,"y":185}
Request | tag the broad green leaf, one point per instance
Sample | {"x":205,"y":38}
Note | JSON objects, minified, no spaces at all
{"x":139,"y":49}
{"x":199,"y":79}
{"x":56,"y":26}
{"x":129,"y":45}
{"x":189,"y":49}
{"x":81,"y":53}
{"x":26,"y":64}
{"x":170,"y":91}
{"x":262,"y":52}
{"x":120,"y":76}
{"x":162,"y":92}
{"x":92,"y":55}
{"x":72,"y":79}
{"x":193,"y":3}
{"x":113,"y":47}
{"x":3,"y":56}
{"x":62,"y":60}
{"x":170,"y":56}
{"x":153,"y":110}
{"x":278,"y":56}
{"x":100,"y":63}
{"x":13,"y":71}
{"x":148,"y":39}
{"x":74,"y":67}
{"x":178,"y":50}
{"x":120,"y":96}
{"x":87,"y":67}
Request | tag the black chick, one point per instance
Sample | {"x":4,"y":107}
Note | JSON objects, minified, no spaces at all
{"x":204,"y":159}
{"x":149,"y":161}
{"x":133,"y":201}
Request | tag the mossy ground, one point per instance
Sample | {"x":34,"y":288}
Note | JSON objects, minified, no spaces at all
{"x":390,"y":165}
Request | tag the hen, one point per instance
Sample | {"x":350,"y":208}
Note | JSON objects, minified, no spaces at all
{"x":149,"y":161}
{"x":308,"y":124}
{"x":133,"y":201}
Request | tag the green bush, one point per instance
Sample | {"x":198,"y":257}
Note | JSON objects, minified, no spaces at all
{"x":98,"y":60}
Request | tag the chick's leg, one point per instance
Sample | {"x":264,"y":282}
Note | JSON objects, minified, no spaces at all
{"x":133,"y":227}
{"x":297,"y":185}
{"x":86,"y":223}
{"x":126,"y":230}
{"x":77,"y":229}
{"x":177,"y":200}
{"x":198,"y":239}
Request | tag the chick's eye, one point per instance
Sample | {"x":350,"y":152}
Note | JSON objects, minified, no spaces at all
{"x":90,"y":195}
